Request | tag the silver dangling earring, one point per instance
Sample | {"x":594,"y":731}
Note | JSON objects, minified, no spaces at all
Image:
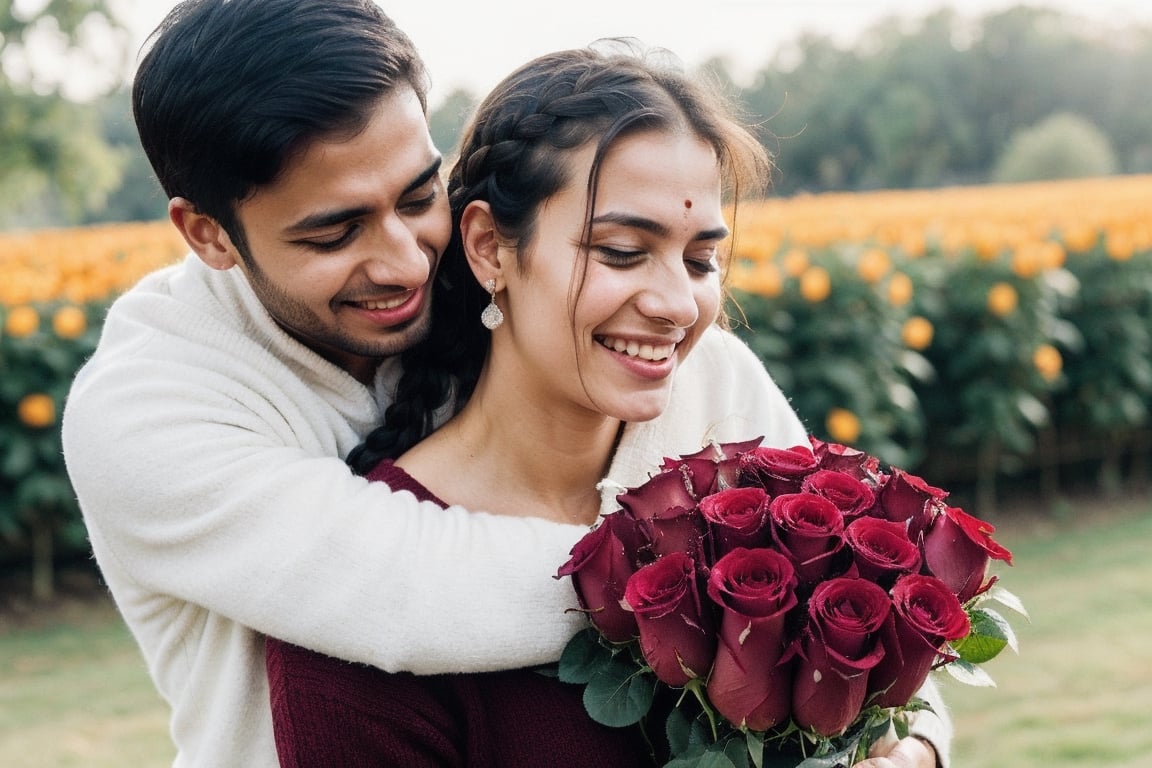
{"x":491,"y":317}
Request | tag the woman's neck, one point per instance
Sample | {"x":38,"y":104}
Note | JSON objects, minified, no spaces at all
{"x":508,"y":453}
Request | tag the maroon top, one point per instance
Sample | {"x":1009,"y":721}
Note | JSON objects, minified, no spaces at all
{"x":328,"y":712}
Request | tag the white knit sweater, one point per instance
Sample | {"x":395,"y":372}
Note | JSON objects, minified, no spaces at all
{"x":204,"y":445}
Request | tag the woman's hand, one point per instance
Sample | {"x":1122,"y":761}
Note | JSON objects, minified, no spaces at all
{"x":910,"y":752}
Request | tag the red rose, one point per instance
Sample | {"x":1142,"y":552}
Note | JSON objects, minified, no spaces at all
{"x":755,"y":588}
{"x":925,"y":615}
{"x":676,"y":637}
{"x":809,"y":529}
{"x":667,"y":510}
{"x":881,"y":549}
{"x":714,"y":468}
{"x":778,"y":470}
{"x":957,"y":549}
{"x":850,"y":495}
{"x":907,"y":498}
{"x":841,"y":458}
{"x":600,"y":569}
{"x":837,"y":649}
{"x":736,"y":517}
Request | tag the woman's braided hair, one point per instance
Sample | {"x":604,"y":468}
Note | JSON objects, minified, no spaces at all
{"x":514,"y":155}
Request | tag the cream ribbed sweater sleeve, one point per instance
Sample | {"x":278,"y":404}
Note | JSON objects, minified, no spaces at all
{"x":204,"y":451}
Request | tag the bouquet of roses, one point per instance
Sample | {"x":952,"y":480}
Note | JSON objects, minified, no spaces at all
{"x":787,"y":604}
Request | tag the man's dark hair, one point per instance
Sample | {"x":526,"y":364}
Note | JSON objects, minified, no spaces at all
{"x":230,"y":90}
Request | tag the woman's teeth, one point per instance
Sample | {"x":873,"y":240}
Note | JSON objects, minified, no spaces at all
{"x":651,"y":352}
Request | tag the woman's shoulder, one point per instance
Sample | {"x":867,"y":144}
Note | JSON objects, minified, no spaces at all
{"x":397,"y":479}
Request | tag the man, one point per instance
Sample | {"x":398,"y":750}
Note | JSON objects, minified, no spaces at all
{"x":204,"y":436}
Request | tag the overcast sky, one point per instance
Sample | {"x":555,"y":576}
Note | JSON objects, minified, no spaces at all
{"x":475,"y":43}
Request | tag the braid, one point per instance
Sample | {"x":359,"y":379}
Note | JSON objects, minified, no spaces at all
{"x":440,"y":370}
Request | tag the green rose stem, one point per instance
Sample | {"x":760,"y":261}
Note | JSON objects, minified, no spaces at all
{"x":696,"y":686}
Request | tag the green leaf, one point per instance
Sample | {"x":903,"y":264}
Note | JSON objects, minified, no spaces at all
{"x":755,"y":742}
{"x":736,"y":750}
{"x":619,"y":693}
{"x":969,"y":674}
{"x":989,"y":634}
{"x":583,"y":657}
{"x":678,"y":729}
{"x":1007,"y":599}
{"x":706,"y":758}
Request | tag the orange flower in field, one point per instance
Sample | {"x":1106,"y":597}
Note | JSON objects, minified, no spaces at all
{"x":21,"y":322}
{"x":843,"y":426}
{"x":1120,"y":246}
{"x":37,"y":411}
{"x":1027,"y":260}
{"x":69,"y":322}
{"x":1052,"y":255}
{"x":913,"y":244}
{"x":795,"y":261}
{"x":873,"y":264}
{"x":765,"y":280}
{"x":1048,"y":361}
{"x":815,"y":284}
{"x":1002,"y":299}
{"x":1079,"y":238}
{"x":899,"y":289}
{"x":917,"y":332}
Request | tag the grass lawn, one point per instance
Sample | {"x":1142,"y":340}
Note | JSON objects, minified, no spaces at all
{"x":74,"y":692}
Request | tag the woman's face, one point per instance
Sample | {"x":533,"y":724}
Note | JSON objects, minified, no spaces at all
{"x":605,"y":329}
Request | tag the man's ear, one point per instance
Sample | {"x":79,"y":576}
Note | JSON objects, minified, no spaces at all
{"x":203,"y":234}
{"x":481,"y":242}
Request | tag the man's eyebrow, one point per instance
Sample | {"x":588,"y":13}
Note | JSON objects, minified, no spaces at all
{"x":329,"y":218}
{"x":655,"y":227}
{"x":425,"y":175}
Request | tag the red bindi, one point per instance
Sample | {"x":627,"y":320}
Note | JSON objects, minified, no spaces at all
{"x":687,"y":203}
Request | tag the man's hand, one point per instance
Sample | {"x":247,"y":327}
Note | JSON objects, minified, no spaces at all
{"x":905,"y":753}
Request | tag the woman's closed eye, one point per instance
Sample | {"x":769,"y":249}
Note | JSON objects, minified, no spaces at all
{"x":618,"y":257}
{"x":702,"y":264}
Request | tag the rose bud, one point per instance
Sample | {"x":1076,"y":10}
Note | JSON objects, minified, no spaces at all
{"x":809,"y":529}
{"x":837,"y":649}
{"x":851,"y":496}
{"x":881,"y":549}
{"x":716,"y":452}
{"x":778,"y":470}
{"x":600,"y":569}
{"x":841,"y":458}
{"x":736,"y":517}
{"x":755,"y":588}
{"x":957,"y":549}
{"x":925,"y":615}
{"x":666,"y":507}
{"x":676,"y":636}
{"x":907,"y":498}
{"x":713,"y":468}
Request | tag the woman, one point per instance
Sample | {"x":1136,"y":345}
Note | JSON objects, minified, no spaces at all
{"x":588,"y":204}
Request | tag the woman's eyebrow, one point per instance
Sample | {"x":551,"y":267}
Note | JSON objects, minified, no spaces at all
{"x":655,"y":227}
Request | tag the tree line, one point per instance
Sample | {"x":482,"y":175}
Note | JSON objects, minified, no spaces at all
{"x":944,"y":99}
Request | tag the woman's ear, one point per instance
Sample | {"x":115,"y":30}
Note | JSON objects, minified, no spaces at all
{"x":481,"y":242}
{"x":203,"y":234}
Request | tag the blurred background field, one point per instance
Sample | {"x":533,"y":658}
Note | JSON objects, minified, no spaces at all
{"x":954,"y":273}
{"x":73,"y":691}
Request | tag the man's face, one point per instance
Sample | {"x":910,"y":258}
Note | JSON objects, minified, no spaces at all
{"x":344,"y":243}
